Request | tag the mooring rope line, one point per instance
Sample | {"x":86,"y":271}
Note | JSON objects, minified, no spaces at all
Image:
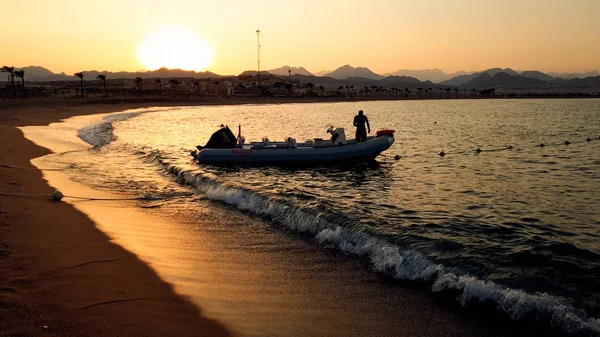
{"x":57,"y":196}
{"x":28,"y":168}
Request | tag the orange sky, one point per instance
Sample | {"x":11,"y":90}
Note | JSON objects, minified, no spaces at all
{"x":386,"y":35}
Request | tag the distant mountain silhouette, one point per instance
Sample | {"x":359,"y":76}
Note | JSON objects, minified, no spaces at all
{"x":349,"y":71}
{"x":494,"y":71}
{"x":322,"y":73}
{"x":283,"y":71}
{"x":537,"y":75}
{"x":502,"y":80}
{"x":433,"y":75}
{"x":402,"y":82}
{"x":463,"y":79}
{"x":582,"y":82}
{"x":37,"y":73}
{"x":254,"y":73}
{"x":575,"y":75}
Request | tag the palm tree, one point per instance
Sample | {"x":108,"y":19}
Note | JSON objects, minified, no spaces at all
{"x":219,"y":88}
{"x":420,"y":91}
{"x":407,"y":92}
{"x":457,"y":92}
{"x":139,"y":83}
{"x":80,"y":75}
{"x":159,"y":82}
{"x":289,"y":87}
{"x":103,"y":79}
{"x":197,"y":86}
{"x":322,"y":88}
{"x":175,"y":84}
{"x":11,"y":77}
{"x":310,"y":86}
{"x":21,"y":74}
{"x":352,"y":89}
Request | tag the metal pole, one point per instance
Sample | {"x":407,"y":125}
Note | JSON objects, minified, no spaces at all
{"x":258,"y":38}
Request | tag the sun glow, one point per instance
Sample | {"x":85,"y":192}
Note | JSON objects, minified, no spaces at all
{"x":174,"y":48}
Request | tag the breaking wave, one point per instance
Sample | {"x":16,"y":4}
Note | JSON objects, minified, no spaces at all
{"x":388,"y":258}
{"x":101,"y":134}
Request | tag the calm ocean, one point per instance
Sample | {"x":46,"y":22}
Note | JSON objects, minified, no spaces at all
{"x":515,"y":226}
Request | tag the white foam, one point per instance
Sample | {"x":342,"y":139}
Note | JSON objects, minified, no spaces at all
{"x":102,"y":133}
{"x":395,"y":261}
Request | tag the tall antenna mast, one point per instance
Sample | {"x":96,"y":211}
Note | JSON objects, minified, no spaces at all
{"x":258,"y":38}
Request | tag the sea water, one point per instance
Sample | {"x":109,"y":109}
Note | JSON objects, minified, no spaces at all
{"x":498,"y":219}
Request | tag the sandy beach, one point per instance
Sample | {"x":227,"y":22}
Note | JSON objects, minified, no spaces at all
{"x":61,"y":275}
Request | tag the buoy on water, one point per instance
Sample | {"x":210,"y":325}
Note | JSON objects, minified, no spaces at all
{"x":542,"y":145}
{"x":588,"y":140}
{"x":442,"y":154}
{"x":567,"y":142}
{"x":396,"y":157}
{"x":478,"y":150}
{"x":57,"y":195}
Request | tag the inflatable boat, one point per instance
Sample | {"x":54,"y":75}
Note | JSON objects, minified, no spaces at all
{"x":224,"y":148}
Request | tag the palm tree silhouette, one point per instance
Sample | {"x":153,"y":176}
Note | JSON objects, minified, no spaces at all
{"x":139,"y":83}
{"x":197,"y":86}
{"x":420,"y":91}
{"x":374,"y":88}
{"x":159,"y":82}
{"x":80,"y":75}
{"x":219,"y":88}
{"x":310,"y":86}
{"x":289,"y":87}
{"x":11,"y":76}
{"x":21,"y":74}
{"x":103,"y":79}
{"x":322,"y":88}
{"x":175,"y":84}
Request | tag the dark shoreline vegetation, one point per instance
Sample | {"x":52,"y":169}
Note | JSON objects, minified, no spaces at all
{"x":347,"y":85}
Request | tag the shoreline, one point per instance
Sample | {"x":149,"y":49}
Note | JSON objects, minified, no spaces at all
{"x":60,"y":274}
{"x":39,"y":294}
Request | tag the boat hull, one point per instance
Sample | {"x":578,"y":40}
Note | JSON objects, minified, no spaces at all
{"x":329,"y":155}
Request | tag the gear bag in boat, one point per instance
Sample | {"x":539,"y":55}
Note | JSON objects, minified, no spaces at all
{"x":221,"y":139}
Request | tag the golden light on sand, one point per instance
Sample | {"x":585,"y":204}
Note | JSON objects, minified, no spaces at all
{"x":174,"y":48}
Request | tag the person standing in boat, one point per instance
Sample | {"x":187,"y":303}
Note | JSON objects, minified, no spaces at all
{"x":361,"y":131}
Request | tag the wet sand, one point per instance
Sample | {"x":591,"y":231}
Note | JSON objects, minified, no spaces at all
{"x":61,"y":275}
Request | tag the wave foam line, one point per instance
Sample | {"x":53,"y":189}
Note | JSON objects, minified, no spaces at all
{"x":101,"y":133}
{"x":392,"y":260}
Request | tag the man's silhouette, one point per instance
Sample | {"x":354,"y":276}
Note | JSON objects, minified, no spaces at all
{"x":361,"y":131}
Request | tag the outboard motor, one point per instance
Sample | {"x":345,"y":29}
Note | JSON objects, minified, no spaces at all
{"x":221,"y":139}
{"x":338,"y":136}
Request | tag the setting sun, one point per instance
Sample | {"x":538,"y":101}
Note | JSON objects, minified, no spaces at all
{"x":174,"y":48}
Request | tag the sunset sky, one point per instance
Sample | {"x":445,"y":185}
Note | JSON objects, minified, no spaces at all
{"x":220,"y":36}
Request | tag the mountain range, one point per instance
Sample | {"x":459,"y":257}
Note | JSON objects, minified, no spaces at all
{"x":361,"y":76}
{"x":37,"y":73}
